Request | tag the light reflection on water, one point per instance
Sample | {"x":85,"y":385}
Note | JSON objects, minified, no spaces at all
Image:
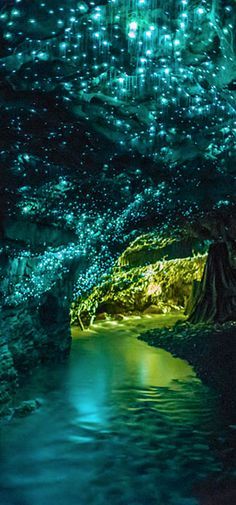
{"x":121,"y":423}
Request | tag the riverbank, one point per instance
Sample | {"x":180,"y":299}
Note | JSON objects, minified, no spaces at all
{"x":210,"y":349}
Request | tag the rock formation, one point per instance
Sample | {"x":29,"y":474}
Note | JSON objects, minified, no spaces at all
{"x":139,"y":285}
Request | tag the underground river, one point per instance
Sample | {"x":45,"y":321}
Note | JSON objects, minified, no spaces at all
{"x":120,"y":423}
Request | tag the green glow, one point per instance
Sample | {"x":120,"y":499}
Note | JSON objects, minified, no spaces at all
{"x":157,"y":288}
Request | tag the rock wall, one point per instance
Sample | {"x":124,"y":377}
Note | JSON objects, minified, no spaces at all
{"x":34,"y":329}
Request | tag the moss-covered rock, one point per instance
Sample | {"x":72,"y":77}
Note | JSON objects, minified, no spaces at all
{"x":162,"y":287}
{"x":150,"y":248}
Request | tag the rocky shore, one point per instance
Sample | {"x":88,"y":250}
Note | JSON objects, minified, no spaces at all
{"x":210,"y":349}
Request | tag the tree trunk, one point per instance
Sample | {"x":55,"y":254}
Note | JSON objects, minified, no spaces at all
{"x":215,"y":300}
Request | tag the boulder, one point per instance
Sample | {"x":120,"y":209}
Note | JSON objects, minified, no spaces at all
{"x":26,"y":407}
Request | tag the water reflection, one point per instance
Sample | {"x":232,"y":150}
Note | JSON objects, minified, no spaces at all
{"x":121,"y":423}
{"x":110,"y":358}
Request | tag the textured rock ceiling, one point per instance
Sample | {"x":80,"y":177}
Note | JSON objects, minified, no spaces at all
{"x":116,"y":116}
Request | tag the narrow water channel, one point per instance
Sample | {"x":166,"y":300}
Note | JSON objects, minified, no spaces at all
{"x":120,"y":423}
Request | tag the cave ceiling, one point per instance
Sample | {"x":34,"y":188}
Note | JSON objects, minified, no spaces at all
{"x":116,"y":116}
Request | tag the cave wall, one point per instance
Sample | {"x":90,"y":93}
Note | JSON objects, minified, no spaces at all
{"x":34,"y":329}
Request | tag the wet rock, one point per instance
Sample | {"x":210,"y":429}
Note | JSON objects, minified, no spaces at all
{"x":6,"y":414}
{"x":8,"y":377}
{"x":27,"y":407}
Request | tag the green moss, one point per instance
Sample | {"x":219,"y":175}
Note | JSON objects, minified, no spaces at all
{"x":161,"y":287}
{"x":150,"y":248}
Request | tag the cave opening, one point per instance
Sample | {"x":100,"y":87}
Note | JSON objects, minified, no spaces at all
{"x":153,"y":275}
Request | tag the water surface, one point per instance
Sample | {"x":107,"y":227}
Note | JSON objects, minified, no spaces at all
{"x":121,"y":423}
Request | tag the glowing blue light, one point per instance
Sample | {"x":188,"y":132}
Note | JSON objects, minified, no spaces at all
{"x":133,"y":26}
{"x":132,"y":35}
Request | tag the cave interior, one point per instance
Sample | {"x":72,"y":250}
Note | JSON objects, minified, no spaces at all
{"x":117,"y":123}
